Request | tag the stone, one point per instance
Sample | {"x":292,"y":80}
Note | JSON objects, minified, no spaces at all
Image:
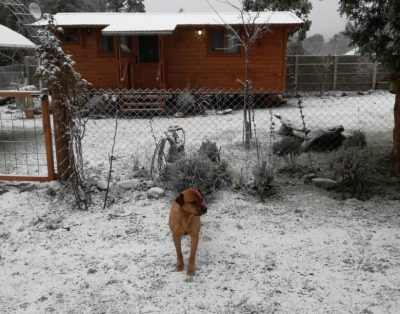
{"x":155,"y":192}
{"x":42,"y":185}
{"x":150,"y":183}
{"x":129,"y":184}
{"x":51,"y":191}
{"x":101,"y":185}
{"x":55,"y":185}
{"x":325,"y":183}
{"x":179,"y":114}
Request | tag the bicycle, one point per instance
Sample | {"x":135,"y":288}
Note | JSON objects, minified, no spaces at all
{"x":169,"y":149}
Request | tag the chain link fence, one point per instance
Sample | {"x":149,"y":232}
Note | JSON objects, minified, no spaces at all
{"x":290,"y":129}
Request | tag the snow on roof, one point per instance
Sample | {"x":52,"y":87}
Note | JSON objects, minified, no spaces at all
{"x":12,"y":39}
{"x":353,"y":52}
{"x":166,"y":22}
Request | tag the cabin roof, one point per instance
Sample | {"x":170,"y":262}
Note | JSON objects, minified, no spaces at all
{"x":154,"y":23}
{"x":12,"y":39}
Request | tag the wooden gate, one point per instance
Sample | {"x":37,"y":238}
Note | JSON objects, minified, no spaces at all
{"x":26,"y":149}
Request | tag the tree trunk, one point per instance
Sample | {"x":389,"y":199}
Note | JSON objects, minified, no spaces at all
{"x":395,"y":165}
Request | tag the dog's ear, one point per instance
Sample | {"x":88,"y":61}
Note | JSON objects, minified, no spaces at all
{"x":200,"y":192}
{"x":179,"y":199}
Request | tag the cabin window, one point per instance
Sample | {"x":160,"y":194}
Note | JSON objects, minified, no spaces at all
{"x":148,"y":49}
{"x":225,"y":41}
{"x":126,"y":44}
{"x":70,"y":35}
{"x":107,"y":44}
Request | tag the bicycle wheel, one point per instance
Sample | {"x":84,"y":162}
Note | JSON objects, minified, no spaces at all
{"x":166,"y":152}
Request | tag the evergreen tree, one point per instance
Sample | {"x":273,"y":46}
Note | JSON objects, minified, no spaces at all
{"x":135,"y":6}
{"x":301,"y":8}
{"x":376,"y":32}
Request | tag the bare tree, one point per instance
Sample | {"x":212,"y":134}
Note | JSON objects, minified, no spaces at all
{"x":252,"y":28}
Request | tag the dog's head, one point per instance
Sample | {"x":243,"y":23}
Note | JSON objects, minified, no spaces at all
{"x":192,"y":202}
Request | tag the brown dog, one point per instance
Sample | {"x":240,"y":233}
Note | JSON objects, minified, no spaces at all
{"x":184,"y":219}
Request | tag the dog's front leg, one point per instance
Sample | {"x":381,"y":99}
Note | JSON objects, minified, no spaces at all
{"x":179,"y":256}
{"x":194,"y":240}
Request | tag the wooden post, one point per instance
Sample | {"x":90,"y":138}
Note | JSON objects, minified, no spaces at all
{"x":335,"y":67}
{"x":47,"y":137}
{"x":296,"y":71}
{"x":62,"y":139}
{"x":374,"y":75}
{"x":395,"y":163}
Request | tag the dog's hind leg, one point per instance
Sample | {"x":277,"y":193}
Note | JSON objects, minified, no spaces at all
{"x":193,"y":248}
{"x":179,"y":256}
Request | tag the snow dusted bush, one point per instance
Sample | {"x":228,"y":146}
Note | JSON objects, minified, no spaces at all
{"x":353,"y":169}
{"x":210,"y":150}
{"x":204,"y":171}
{"x":355,"y":139}
{"x":263,"y":181}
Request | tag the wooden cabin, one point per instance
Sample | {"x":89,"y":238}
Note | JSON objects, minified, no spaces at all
{"x":174,"y":50}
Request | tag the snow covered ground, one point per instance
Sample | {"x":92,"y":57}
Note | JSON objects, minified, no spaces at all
{"x":136,"y":139}
{"x":303,"y":251}
{"x":22,"y":145}
{"x":300,"y":252}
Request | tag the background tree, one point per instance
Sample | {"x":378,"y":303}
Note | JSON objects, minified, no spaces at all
{"x":135,"y":6}
{"x":376,"y":32}
{"x":339,"y":44}
{"x":301,"y":8}
{"x":55,"y":6}
{"x":314,"y":45}
{"x":295,"y":47}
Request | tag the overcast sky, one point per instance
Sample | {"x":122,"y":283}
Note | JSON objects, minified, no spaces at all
{"x":326,"y":19}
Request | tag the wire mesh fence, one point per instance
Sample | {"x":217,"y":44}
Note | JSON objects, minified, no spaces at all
{"x":293,"y":128}
{"x":23,"y":152}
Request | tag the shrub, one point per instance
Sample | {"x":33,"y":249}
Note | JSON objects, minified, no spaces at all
{"x":288,"y":148}
{"x":210,"y":150}
{"x":353,"y":170}
{"x":196,"y":172}
{"x":186,"y":103}
{"x":355,"y":139}
{"x":204,"y":171}
{"x":263,"y":181}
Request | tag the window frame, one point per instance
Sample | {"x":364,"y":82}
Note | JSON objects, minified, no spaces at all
{"x":73,"y":42}
{"x":224,"y":51}
{"x":130,"y":41}
{"x":140,"y":46}
{"x":100,"y":46}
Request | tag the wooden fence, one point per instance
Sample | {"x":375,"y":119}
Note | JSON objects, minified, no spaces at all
{"x":324,"y":73}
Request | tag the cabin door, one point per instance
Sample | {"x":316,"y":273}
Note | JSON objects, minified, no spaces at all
{"x":146,"y":69}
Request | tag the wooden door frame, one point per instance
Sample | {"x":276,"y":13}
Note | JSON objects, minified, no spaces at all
{"x":47,"y":138}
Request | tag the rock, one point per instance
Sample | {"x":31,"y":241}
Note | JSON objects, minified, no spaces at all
{"x":155,"y":192}
{"x":51,"y":191}
{"x":179,"y":114}
{"x":308,"y":178}
{"x":55,"y":185}
{"x":42,"y":185}
{"x":101,"y":185}
{"x":224,"y":112}
{"x":324,"y":183}
{"x":150,"y":183}
{"x":129,"y":184}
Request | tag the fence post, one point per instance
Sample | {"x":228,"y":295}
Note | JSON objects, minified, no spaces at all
{"x":374,"y":75}
{"x":47,"y":137}
{"x":62,"y":139}
{"x":335,"y":67}
{"x":296,"y":70}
